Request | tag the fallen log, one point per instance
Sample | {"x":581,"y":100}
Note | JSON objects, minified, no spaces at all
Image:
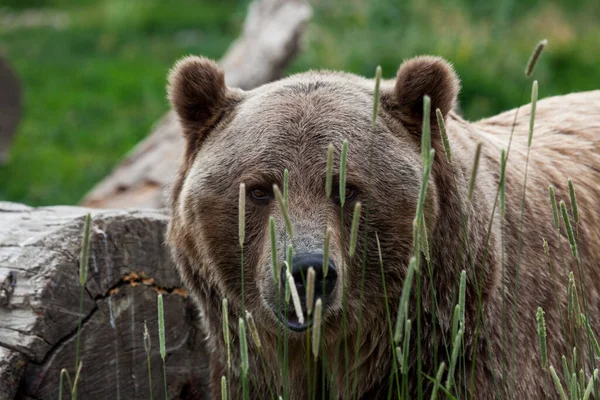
{"x":270,"y":39}
{"x":128,"y":266}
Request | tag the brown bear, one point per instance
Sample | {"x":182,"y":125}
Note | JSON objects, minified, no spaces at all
{"x":251,"y":137}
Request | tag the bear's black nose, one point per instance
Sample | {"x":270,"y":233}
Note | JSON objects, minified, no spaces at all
{"x":324,"y":285}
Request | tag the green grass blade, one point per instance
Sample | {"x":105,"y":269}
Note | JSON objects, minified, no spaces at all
{"x":455,"y":349}
{"x":326,"y":252}
{"x":404,"y":297}
{"x":329,"y":171}
{"x":343,"y":162}
{"x":284,"y":211}
{"x":534,"y":97}
{"x":554,"y":207}
{"x":274,"y":263}
{"x":565,"y":215}
{"x":590,"y":386}
{"x":462,"y":294}
{"x":502,"y":183}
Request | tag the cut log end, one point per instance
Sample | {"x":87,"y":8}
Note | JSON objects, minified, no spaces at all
{"x":128,"y":267}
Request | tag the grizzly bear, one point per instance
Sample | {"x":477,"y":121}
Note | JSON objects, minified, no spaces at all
{"x":251,"y":137}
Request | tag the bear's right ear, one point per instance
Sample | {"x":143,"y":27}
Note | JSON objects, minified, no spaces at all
{"x":420,"y":76}
{"x":198,"y":94}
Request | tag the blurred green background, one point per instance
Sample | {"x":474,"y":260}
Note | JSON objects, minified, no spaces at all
{"x":94,"y":71}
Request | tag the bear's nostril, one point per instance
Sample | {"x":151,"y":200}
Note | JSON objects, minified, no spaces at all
{"x":324,"y":285}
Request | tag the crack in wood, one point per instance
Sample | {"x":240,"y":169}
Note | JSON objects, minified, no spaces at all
{"x":134,"y":279}
{"x":131,"y":279}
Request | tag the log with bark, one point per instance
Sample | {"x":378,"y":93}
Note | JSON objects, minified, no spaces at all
{"x":270,"y":39}
{"x":128,"y":266}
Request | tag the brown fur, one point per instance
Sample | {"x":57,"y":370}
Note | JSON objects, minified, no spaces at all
{"x":234,"y":137}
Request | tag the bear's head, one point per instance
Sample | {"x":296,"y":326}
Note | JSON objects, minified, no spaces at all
{"x":251,"y":137}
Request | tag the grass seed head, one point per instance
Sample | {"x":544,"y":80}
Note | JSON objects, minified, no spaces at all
{"x":243,"y":347}
{"x":317,"y":327}
{"x":426,"y":130}
{"x":567,"y":222}
{"x":242,"y":214}
{"x":590,"y":386}
{"x":225,"y":311}
{"x":147,"y":342}
{"x":161,"y":327}
{"x":533,"y":59}
{"x":284,"y":210}
{"x":253,"y":330}
{"x":310,"y":290}
{"x":85,"y":250}
{"x":534,"y":97}
{"x":376,"y":96}
{"x":573,"y":198}
{"x":444,"y":134}
{"x":329,"y":171}
{"x":541,"y":329}
{"x":354,"y":228}
{"x":559,"y":386}
{"x":295,"y":298}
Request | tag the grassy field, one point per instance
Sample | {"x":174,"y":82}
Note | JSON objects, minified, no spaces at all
{"x":94,"y":71}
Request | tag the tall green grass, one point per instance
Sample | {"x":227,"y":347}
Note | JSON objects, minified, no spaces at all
{"x":101,"y":87}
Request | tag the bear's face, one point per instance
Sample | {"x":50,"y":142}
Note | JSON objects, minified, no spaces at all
{"x":236,"y":137}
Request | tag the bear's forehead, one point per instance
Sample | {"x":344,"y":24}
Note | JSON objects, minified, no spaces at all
{"x":306,"y":105}
{"x":290,"y":123}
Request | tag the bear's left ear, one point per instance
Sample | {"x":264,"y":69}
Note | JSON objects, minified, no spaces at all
{"x":420,"y":76}
{"x":199,"y":95}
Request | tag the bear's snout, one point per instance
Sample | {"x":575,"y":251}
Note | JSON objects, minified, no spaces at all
{"x":324,"y":286}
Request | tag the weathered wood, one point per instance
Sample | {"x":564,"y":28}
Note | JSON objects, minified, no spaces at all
{"x":270,"y":39}
{"x":39,"y":306}
{"x":10,"y":107}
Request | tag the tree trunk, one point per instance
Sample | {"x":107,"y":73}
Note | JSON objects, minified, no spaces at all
{"x":128,"y":267}
{"x":270,"y":39}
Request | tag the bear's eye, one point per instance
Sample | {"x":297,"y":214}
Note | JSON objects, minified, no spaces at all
{"x":350,"y":194}
{"x":260,"y":195}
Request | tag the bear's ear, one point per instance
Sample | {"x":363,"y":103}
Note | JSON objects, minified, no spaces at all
{"x":198,"y":94}
{"x":420,"y":76}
